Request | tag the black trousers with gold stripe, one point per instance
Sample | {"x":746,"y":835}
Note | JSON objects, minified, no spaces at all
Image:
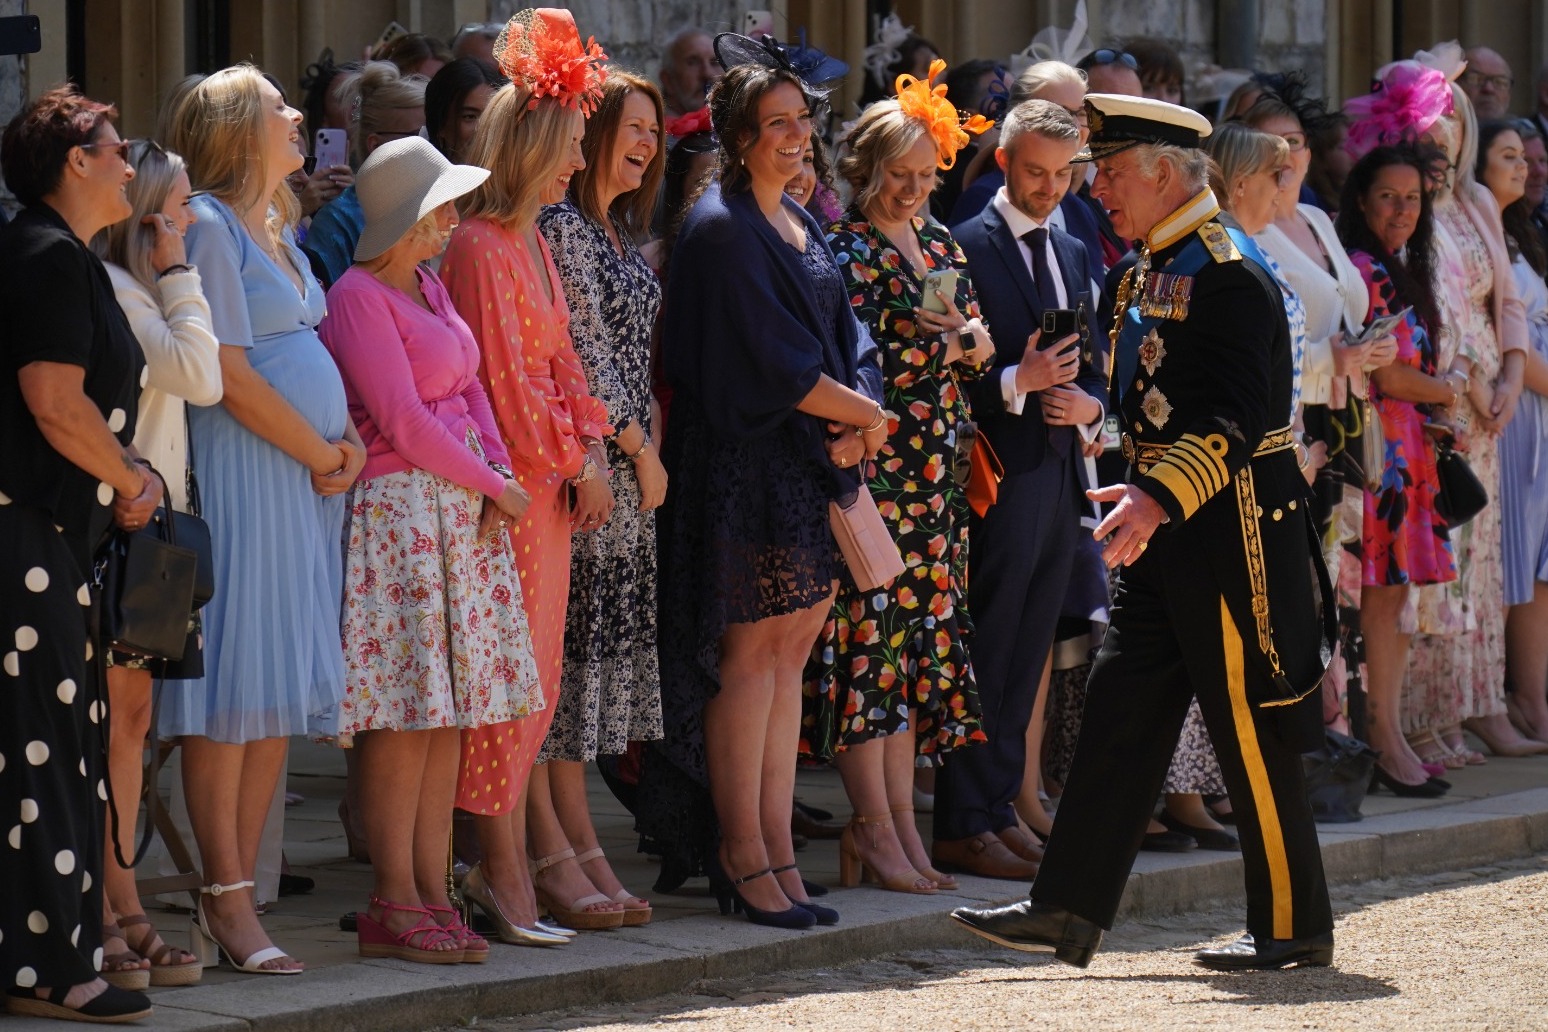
{"x":1171,"y":638}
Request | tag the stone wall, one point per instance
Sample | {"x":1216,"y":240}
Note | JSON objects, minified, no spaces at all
{"x":13,"y":76}
{"x":632,"y":31}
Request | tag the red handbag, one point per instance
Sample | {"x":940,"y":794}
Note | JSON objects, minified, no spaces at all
{"x":984,"y":475}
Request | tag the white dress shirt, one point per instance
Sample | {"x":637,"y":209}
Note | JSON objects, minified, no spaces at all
{"x":1020,"y":224}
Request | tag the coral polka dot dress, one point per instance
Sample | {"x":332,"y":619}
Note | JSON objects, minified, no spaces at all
{"x":537,"y":386}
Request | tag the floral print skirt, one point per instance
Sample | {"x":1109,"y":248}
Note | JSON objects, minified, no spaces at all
{"x":435,"y":633}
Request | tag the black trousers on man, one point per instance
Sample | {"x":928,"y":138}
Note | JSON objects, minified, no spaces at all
{"x":1172,"y":637}
{"x":1019,"y":561}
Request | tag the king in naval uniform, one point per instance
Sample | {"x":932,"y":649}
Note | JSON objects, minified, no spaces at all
{"x":1223,"y":594}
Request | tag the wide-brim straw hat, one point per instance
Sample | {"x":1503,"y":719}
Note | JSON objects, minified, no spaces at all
{"x":399,"y":184}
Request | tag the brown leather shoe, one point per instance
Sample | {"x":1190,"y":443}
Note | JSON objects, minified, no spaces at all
{"x":1022,"y":843}
{"x":984,"y":855}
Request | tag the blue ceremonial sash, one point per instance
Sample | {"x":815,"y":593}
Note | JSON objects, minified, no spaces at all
{"x":1189,"y":262}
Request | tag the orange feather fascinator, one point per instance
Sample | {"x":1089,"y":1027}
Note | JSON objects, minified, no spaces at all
{"x":940,"y":117}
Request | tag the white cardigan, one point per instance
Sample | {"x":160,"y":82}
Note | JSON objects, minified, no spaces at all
{"x":182,"y":360}
{"x":1332,"y":303}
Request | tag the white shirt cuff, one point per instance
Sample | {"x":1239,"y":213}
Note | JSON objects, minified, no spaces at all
{"x":1092,"y":430}
{"x":1014,"y":400}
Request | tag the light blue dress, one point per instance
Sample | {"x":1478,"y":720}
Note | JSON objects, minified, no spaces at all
{"x":272,"y":660}
{"x":1523,"y":462}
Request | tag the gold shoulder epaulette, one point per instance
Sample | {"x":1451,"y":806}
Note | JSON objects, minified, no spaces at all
{"x":1221,"y":248}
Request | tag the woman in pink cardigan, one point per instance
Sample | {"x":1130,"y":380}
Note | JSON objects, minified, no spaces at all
{"x":435,"y":633}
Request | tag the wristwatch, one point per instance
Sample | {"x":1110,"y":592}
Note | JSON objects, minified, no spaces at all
{"x":969,"y":340}
{"x":588,"y":471}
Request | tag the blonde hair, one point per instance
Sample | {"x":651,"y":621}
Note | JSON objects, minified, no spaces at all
{"x":380,"y":90}
{"x":882,"y":134}
{"x":1036,"y":78}
{"x":523,"y":150}
{"x":128,"y":243}
{"x":1465,"y":121}
{"x":214,"y":125}
{"x":421,"y":233}
{"x":1241,"y":151}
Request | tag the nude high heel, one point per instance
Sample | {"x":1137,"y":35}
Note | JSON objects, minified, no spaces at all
{"x":854,"y":869}
{"x":945,"y":882}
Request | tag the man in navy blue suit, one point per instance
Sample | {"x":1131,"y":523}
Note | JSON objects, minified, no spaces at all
{"x":1033,"y":408}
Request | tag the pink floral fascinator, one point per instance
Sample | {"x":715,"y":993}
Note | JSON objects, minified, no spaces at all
{"x":541,"y":50}
{"x":1403,"y":103}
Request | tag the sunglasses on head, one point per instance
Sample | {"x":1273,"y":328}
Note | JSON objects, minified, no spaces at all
{"x":1107,"y":57}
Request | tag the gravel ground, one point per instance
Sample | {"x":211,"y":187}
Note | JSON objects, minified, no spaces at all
{"x":1456,"y":952}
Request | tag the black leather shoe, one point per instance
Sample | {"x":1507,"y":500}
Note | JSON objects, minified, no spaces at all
{"x":1207,"y":838}
{"x":1034,"y":927}
{"x":1168,"y":842}
{"x":1247,"y":954}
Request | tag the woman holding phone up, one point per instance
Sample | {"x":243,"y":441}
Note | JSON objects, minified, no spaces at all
{"x":890,"y":675}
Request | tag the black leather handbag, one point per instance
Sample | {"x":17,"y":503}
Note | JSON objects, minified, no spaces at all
{"x":1337,"y":777}
{"x":149,"y":580}
{"x":1461,"y":495}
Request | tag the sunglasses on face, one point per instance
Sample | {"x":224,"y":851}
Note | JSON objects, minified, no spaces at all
{"x":120,"y":146}
{"x":1107,"y":57}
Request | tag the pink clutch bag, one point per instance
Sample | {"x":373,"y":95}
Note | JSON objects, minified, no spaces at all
{"x":865,"y":541}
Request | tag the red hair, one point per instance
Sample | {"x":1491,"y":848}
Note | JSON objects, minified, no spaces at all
{"x":39,"y":139}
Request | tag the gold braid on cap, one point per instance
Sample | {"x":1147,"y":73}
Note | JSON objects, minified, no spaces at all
{"x":540,"y":50}
{"x":941,"y":119}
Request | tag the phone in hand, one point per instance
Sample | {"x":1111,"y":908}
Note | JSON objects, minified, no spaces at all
{"x":20,"y":34}
{"x":758,"y":24}
{"x":332,"y":148}
{"x":1059,"y":323}
{"x":1380,"y":328}
{"x":943,"y":280}
{"x":392,"y":31}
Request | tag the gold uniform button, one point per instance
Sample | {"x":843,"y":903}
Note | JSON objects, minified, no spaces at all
{"x":1279,"y":514}
{"x":1291,"y":507}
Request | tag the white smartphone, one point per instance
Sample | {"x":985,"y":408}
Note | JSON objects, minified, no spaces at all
{"x":758,"y":24}
{"x":944,"y":280}
{"x":331,"y":148}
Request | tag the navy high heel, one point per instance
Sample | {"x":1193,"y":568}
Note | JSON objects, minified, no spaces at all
{"x":824,"y":915}
{"x":731,"y":902}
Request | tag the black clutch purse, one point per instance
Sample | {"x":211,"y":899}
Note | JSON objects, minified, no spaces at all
{"x":1461,"y":495}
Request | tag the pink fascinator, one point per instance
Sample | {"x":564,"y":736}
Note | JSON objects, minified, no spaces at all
{"x":1405,"y":102}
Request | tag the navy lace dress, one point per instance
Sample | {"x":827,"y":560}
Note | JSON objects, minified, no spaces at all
{"x":751,"y":324}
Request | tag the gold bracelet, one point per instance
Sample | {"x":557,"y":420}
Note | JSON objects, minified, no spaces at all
{"x":645,"y":443}
{"x":877,"y":423}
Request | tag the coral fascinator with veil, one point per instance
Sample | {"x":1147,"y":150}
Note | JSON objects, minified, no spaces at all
{"x":540,"y":50}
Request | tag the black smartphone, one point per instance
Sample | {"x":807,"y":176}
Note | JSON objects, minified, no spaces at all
{"x":20,"y":34}
{"x":1061,"y":322}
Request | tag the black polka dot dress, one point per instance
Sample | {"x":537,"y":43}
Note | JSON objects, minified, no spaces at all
{"x":56,"y":306}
